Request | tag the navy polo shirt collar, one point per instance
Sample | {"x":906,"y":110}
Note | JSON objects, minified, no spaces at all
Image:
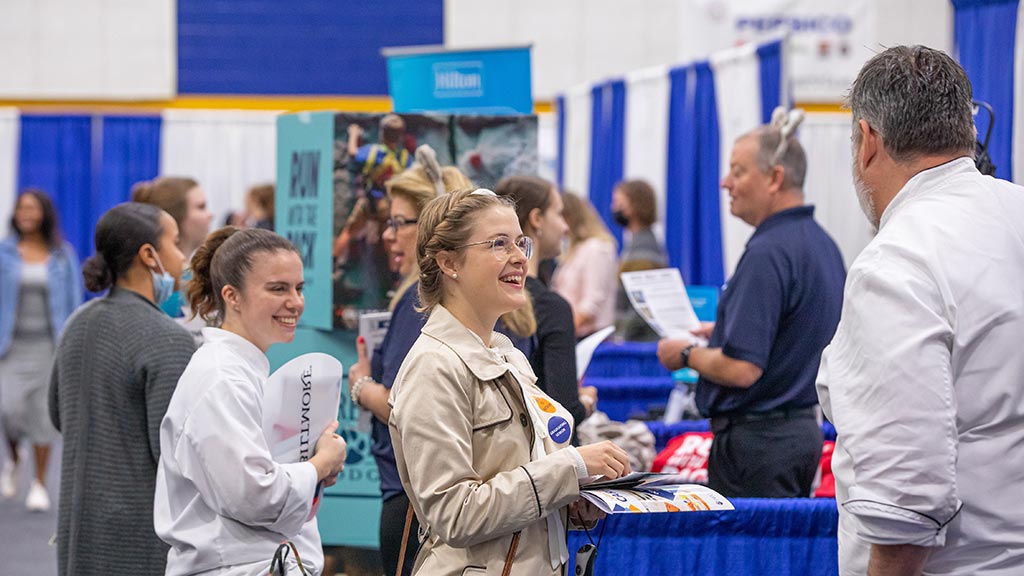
{"x":783,"y":216}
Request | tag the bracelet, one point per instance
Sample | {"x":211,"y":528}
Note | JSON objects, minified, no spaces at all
{"x":357,"y":387}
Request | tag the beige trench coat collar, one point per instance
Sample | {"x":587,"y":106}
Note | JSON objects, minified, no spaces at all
{"x":486,"y":363}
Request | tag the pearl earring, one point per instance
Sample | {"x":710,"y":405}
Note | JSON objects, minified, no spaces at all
{"x":455,"y":275}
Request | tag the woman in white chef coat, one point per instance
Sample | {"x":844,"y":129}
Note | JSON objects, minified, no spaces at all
{"x":222,"y":503}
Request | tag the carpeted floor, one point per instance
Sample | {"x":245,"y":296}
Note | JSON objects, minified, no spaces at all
{"x":25,"y":536}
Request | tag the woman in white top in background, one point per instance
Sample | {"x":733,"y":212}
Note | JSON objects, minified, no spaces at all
{"x":587,"y":277}
{"x":222,"y":503}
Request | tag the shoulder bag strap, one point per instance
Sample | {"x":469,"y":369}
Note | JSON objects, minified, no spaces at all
{"x":405,"y":540}
{"x":511,"y":554}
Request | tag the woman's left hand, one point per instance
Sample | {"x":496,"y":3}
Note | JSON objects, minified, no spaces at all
{"x":584,"y":514}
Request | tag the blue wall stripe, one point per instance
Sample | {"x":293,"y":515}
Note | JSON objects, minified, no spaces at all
{"x":297,"y":47}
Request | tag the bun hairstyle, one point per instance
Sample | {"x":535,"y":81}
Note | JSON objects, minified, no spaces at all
{"x":224,"y":259}
{"x":120,"y":234}
{"x":529,"y":193}
{"x":169,"y":193}
{"x":446,"y":222}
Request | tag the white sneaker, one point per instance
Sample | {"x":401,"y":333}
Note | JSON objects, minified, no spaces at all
{"x":9,"y":479}
{"x":38,"y":500}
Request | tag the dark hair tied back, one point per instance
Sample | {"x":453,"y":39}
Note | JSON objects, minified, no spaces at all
{"x":224,"y":259}
{"x":120,"y":234}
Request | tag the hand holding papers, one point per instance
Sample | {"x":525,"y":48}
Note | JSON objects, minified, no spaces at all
{"x":647,"y":492}
{"x":299,"y":400}
{"x":659,"y":297}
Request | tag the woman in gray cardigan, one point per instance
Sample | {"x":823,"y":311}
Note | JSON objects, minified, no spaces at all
{"x":117,"y":365}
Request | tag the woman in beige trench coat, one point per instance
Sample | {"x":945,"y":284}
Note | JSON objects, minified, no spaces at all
{"x":482,"y":452}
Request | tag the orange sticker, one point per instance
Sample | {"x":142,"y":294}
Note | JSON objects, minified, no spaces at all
{"x":545,"y":405}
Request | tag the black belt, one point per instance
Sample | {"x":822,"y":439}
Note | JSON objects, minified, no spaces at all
{"x":723,"y":421}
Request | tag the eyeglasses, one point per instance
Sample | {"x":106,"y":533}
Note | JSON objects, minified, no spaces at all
{"x":502,"y":246}
{"x":399,"y":222}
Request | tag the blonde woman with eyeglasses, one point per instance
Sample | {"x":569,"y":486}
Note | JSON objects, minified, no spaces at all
{"x":370,"y":382}
{"x":482,"y":452}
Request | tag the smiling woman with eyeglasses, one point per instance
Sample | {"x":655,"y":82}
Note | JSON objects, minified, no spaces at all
{"x":466,"y":398}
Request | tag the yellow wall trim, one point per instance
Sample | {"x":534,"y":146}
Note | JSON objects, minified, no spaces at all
{"x":220,"y":102}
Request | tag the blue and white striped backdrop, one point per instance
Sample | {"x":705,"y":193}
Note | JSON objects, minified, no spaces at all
{"x":674,"y":128}
{"x":88,"y":163}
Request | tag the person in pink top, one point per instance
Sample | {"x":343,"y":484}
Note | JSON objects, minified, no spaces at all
{"x":587,"y":277}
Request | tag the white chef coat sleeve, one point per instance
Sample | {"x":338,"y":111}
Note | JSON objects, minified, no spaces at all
{"x":887,"y":384}
{"x":223,"y":452}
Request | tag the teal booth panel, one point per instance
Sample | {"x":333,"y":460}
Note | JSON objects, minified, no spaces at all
{"x":349,"y":521}
{"x":304,"y":204}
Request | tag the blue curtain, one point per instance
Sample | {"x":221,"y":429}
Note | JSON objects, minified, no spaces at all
{"x":560,"y":165}
{"x":693,"y":234}
{"x":770,"y":63}
{"x":608,"y":124}
{"x":984,"y":32}
{"x":55,"y":155}
{"x":131,"y":152}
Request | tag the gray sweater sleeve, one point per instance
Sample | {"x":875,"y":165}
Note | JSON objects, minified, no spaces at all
{"x":171,"y":354}
{"x":54,"y":400}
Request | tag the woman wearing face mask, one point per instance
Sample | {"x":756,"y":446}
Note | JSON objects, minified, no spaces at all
{"x":185,"y":201}
{"x":370,"y":383}
{"x":635,"y":209}
{"x":222,"y":503}
{"x":552,"y":349}
{"x":117,"y":364}
{"x":483,"y":452}
{"x":39,"y":288}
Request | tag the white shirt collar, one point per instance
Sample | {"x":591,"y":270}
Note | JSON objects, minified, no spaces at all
{"x":244,"y":348}
{"x":922,"y":183}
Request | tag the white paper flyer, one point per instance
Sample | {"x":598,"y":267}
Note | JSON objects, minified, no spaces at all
{"x":299,"y":400}
{"x":659,"y":297}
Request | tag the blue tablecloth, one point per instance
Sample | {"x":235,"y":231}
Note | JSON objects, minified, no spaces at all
{"x":761,"y":537}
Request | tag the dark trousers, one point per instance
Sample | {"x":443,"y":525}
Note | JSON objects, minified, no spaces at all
{"x":392,"y":525}
{"x":776,"y":458}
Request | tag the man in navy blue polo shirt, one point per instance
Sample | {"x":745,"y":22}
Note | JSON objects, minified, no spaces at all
{"x":775,"y":316}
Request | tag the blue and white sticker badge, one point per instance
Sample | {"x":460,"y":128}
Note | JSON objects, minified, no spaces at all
{"x":559,"y":429}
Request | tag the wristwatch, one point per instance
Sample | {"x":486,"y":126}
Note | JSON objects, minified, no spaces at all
{"x":686,"y":355}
